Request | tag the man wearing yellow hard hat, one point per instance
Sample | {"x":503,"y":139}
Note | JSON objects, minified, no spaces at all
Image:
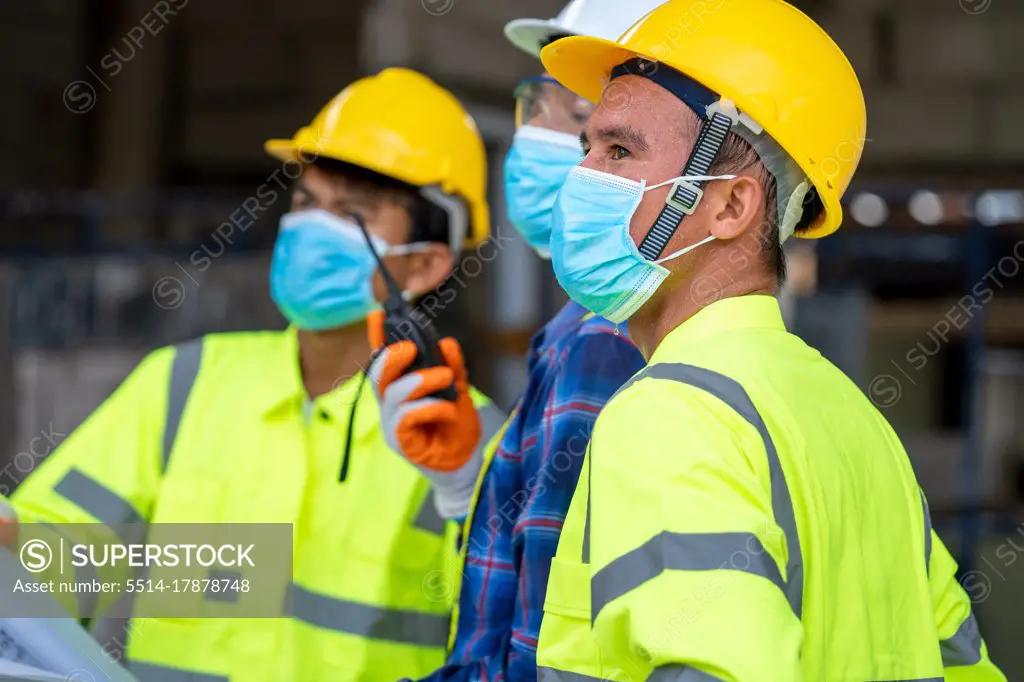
{"x":744,"y":513}
{"x":276,"y":427}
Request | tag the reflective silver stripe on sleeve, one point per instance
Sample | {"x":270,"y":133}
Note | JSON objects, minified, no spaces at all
{"x":927,"y":535}
{"x":682,"y":552}
{"x":732,"y":394}
{"x":964,"y":647}
{"x":681,"y":673}
{"x":184,"y":370}
{"x":671,"y":673}
{"x":428,"y":519}
{"x":552,"y":675}
{"x":373,"y":622}
{"x":98,"y":500}
{"x":150,"y":672}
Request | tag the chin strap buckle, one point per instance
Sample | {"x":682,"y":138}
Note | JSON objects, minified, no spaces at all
{"x":684,"y":196}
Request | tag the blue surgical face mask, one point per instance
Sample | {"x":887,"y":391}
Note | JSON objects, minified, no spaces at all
{"x":535,"y":168}
{"x":594,"y":258}
{"x":321,"y":273}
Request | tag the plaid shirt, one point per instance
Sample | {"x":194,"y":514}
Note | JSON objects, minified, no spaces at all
{"x":575,"y":366}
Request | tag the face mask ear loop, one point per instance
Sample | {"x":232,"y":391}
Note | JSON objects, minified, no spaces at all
{"x":685,"y":250}
{"x":691,"y":178}
{"x":404,"y":249}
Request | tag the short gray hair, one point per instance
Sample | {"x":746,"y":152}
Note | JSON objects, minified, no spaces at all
{"x":737,"y":155}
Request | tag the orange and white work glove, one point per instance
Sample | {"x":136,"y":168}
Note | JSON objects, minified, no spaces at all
{"x":440,"y":437}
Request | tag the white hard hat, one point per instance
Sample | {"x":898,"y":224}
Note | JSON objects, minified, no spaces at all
{"x":606,"y":19}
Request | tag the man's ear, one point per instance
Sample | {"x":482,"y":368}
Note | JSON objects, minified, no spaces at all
{"x":736,"y":206}
{"x":427,"y":269}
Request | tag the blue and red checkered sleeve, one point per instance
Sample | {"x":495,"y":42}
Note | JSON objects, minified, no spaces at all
{"x":596,"y":364}
{"x":528,"y":488}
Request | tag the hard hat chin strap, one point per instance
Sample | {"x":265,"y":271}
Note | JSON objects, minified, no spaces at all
{"x":457,"y":214}
{"x":685,"y":195}
{"x":718,"y":118}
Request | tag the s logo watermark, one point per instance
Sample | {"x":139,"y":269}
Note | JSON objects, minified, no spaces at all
{"x":36,"y":556}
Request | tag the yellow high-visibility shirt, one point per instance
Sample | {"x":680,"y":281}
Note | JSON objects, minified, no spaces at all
{"x":219,"y":430}
{"x":745,"y":514}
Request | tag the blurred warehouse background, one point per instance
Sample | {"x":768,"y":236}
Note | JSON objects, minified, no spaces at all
{"x":133,"y":129}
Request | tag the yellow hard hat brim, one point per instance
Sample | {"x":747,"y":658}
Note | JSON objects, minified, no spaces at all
{"x":583,"y":64}
{"x":282,"y":150}
{"x":290,"y":150}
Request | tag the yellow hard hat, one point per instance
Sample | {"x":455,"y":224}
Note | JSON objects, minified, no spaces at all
{"x":769,"y":59}
{"x":401,"y":124}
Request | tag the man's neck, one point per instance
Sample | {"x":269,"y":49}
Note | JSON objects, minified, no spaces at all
{"x":330,"y":358}
{"x":677,"y":302}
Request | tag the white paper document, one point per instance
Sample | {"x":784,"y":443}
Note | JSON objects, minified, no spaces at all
{"x":16,"y":672}
{"x":53,"y":642}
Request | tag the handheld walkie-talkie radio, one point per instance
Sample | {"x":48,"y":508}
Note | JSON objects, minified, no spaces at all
{"x":403,"y":322}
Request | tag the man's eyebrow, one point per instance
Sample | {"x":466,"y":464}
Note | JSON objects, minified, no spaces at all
{"x":629,"y":135}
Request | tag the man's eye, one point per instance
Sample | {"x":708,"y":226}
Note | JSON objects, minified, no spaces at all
{"x":619,"y":153}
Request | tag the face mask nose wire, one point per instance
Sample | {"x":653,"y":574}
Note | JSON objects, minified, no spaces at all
{"x":685,"y":195}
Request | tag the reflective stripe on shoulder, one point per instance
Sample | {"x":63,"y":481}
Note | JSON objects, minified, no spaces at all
{"x":681,"y":673}
{"x":185,"y":368}
{"x":730,"y":392}
{"x":551,"y":675}
{"x":964,"y":647}
{"x":98,"y":500}
{"x":364,"y":620}
{"x":670,"y":673}
{"x":103,"y":503}
{"x":151,"y":672}
{"x":682,"y":552}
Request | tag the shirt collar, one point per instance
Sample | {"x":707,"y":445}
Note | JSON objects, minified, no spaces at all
{"x":287,"y":391}
{"x":338,"y":405}
{"x":729,"y":314}
{"x":283,"y":374}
